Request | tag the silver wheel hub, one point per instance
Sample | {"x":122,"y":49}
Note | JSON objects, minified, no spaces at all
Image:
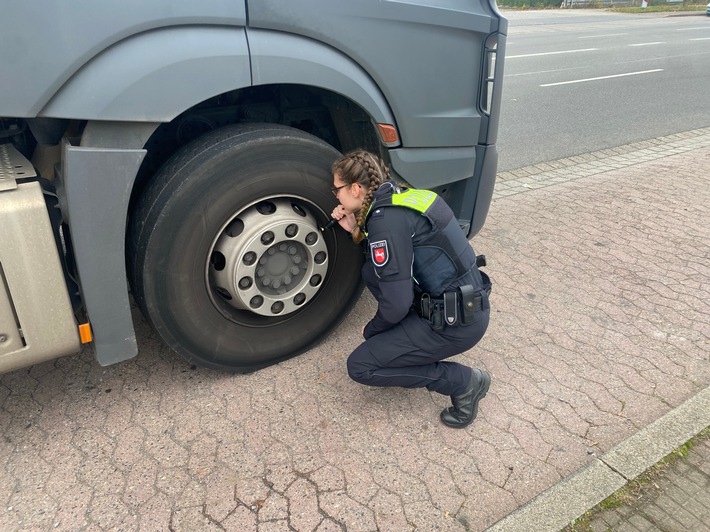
{"x":270,"y":259}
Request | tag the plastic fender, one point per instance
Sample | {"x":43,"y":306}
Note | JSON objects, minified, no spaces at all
{"x":154,"y":76}
{"x":287,"y":58}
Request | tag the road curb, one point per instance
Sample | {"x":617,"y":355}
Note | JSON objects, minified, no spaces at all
{"x":688,"y":14}
{"x":556,"y":507}
{"x":551,"y":173}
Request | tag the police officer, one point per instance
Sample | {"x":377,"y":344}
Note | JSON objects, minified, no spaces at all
{"x":432,"y":301}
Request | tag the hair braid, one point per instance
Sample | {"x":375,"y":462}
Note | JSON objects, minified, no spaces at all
{"x":369,"y":171}
{"x":358,"y":235}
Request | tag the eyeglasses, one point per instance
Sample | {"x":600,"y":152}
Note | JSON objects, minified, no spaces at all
{"x":336,"y":190}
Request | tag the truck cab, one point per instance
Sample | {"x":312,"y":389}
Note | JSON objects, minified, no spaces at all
{"x":176,"y":156}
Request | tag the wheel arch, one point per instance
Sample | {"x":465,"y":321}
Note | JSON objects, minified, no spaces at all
{"x":143,"y":78}
{"x":279,"y":57}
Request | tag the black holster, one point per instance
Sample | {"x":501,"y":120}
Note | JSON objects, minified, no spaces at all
{"x":453,"y":307}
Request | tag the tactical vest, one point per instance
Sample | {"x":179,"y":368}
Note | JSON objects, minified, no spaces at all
{"x":445,"y":237}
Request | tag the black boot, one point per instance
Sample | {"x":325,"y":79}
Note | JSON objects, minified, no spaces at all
{"x":465,"y":405}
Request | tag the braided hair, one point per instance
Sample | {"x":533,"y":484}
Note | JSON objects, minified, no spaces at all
{"x":367,"y":170}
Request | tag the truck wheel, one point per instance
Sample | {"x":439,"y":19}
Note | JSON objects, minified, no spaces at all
{"x":226,"y":257}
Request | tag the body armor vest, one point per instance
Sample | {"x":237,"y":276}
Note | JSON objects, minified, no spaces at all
{"x":433,"y":272}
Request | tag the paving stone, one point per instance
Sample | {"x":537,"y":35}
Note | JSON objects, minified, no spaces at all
{"x":328,"y":525}
{"x":640,"y":523}
{"x":190,"y":519}
{"x":353,"y":515}
{"x":274,"y":507}
{"x":661,"y":518}
{"x":242,"y":519}
{"x":612,"y":517}
{"x":303,"y":505}
{"x":625,"y":526}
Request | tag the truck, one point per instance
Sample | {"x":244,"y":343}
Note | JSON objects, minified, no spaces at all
{"x":175,"y":156}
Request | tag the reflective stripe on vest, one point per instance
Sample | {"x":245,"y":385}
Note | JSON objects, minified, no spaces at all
{"x":419,"y":200}
{"x":415,"y":199}
{"x":431,"y":206}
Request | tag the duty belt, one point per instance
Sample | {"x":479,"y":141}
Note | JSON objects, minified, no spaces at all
{"x":454,"y":307}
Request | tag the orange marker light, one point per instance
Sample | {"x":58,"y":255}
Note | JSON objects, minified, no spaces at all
{"x":85,"y":333}
{"x":388,"y":133}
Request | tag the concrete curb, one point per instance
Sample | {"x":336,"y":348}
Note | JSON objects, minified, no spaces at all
{"x":551,"y":173}
{"x":562,"y":503}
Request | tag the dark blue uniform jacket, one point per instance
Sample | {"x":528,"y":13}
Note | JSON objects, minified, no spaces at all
{"x":402,"y":259}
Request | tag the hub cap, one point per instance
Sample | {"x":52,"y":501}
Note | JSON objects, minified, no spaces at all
{"x":270,"y":259}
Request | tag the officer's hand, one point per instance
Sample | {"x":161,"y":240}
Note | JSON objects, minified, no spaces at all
{"x":345,"y":219}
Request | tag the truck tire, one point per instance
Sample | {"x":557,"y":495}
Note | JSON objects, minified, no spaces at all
{"x":226,"y":257}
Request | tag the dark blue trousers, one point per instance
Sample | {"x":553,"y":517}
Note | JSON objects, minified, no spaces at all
{"x":411,"y":355}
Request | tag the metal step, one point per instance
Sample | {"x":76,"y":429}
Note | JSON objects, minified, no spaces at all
{"x":13,"y":165}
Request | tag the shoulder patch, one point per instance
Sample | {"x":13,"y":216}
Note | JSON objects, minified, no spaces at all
{"x":379,"y":252}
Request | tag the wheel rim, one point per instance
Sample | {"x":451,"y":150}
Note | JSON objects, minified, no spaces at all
{"x":270,"y":259}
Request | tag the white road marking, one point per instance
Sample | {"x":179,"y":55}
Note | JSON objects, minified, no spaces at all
{"x":647,"y":43}
{"x":700,"y":39}
{"x":552,"y":53}
{"x":607,"y":35}
{"x":543,"y":72}
{"x":602,"y":77}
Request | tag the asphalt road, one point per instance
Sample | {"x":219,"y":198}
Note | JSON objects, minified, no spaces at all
{"x":586,"y":80}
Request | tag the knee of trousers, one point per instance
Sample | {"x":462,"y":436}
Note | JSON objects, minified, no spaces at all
{"x":360,"y":364}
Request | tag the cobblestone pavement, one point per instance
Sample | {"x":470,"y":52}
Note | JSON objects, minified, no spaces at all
{"x":600,"y":325}
{"x":676,"y":498}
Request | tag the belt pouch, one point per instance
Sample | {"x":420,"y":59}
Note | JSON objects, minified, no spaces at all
{"x":437,"y":315}
{"x":425,"y":306}
{"x":450,"y":312}
{"x":469,"y":305}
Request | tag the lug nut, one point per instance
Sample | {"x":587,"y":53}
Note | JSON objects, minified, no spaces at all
{"x":249,"y":258}
{"x":267,"y":238}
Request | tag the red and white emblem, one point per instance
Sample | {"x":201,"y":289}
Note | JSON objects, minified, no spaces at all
{"x":380,"y":254}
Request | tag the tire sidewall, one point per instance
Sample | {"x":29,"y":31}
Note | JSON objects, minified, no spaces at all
{"x":200,"y":196}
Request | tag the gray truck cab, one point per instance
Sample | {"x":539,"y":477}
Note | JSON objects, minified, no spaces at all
{"x":178,"y":153}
